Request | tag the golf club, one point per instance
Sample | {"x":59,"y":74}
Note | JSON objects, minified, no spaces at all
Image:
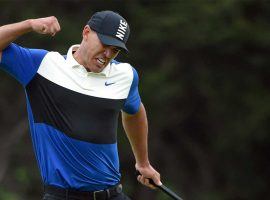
{"x":163,"y":188}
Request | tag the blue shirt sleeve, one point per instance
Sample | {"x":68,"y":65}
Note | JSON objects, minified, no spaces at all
{"x":133,"y":100}
{"x":21,"y":63}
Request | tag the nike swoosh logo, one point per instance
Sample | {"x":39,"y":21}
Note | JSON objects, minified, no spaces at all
{"x":107,"y":84}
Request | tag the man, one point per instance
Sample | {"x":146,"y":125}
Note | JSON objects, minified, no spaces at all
{"x":73,"y":103}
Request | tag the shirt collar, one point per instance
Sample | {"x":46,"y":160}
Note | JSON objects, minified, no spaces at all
{"x":76,"y":66}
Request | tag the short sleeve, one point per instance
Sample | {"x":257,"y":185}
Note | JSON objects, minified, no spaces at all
{"x":133,"y":100}
{"x":22,"y":63}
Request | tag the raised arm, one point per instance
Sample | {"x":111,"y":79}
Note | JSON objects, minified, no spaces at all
{"x":136,"y":128}
{"x":10,"y":32}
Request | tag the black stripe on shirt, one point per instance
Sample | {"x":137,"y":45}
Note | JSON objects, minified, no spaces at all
{"x":79,"y":116}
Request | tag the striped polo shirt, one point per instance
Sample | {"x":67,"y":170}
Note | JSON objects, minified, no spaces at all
{"x":73,"y":114}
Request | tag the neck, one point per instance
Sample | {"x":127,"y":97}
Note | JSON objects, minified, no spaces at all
{"x":76,"y":55}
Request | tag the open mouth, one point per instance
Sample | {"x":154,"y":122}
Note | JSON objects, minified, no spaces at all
{"x":101,"y":61}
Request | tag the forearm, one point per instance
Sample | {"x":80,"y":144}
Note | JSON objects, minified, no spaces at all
{"x":136,"y":128}
{"x":10,"y":32}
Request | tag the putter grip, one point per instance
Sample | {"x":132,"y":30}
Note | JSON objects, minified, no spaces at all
{"x":163,"y":188}
{"x":150,"y":180}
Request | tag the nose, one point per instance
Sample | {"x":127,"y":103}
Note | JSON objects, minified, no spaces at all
{"x":108,"y":52}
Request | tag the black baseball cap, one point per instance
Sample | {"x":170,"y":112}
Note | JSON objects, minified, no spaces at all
{"x":112,"y":29}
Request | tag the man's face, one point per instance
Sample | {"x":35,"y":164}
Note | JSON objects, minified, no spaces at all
{"x":95,"y":56}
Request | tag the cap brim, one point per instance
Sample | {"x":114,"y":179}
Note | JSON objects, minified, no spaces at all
{"x":108,"y":40}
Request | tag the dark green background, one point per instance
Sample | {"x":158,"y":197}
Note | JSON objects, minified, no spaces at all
{"x":204,"y":79}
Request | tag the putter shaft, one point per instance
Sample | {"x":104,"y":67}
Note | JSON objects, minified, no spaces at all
{"x":166,"y":190}
{"x":169,"y":192}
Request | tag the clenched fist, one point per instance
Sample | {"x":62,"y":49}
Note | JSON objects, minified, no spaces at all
{"x":46,"y":25}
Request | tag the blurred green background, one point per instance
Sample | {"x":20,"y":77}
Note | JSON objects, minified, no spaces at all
{"x":204,"y":79}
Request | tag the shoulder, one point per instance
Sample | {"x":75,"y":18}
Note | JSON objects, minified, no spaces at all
{"x":120,"y":65}
{"x":53,"y":56}
{"x":123,"y":68}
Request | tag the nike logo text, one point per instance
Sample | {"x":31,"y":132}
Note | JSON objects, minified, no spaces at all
{"x":121,"y":30}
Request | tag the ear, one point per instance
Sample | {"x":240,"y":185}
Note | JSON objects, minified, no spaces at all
{"x":86,"y":31}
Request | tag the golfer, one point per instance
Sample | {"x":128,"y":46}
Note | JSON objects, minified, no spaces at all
{"x":73,"y":104}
